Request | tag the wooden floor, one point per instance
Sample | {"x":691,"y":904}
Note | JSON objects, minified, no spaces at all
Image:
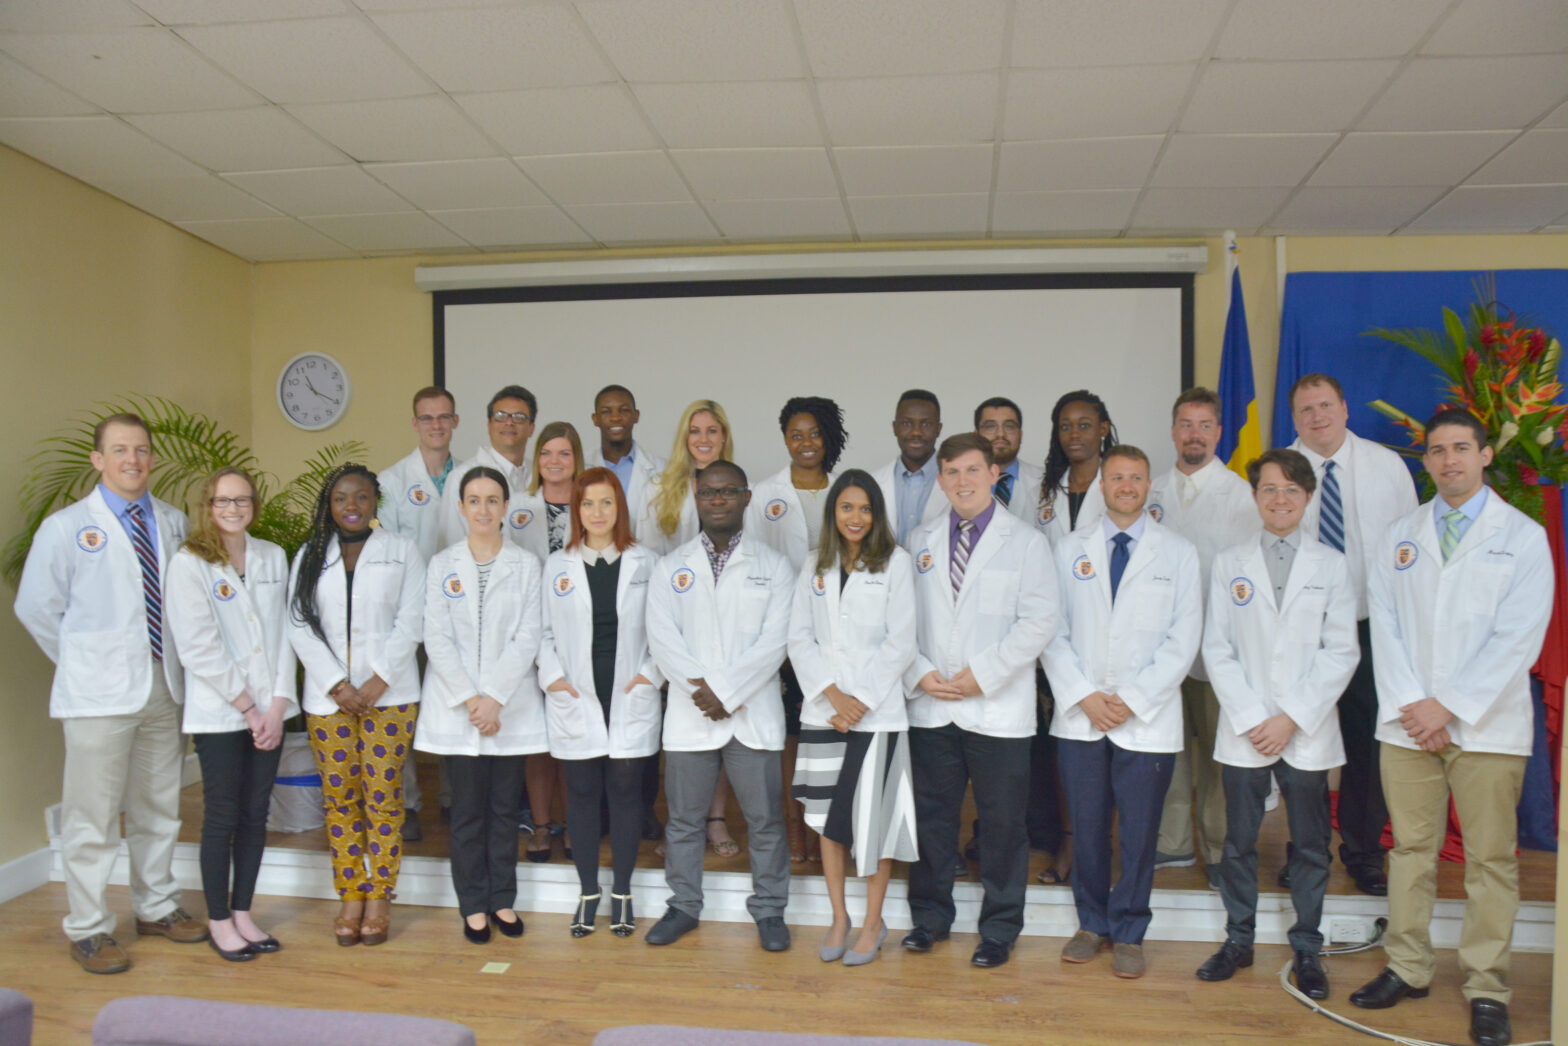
{"x":560,"y":992}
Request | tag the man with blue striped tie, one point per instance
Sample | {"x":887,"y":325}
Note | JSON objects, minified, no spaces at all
{"x":1362,"y":488}
{"x":91,"y":596}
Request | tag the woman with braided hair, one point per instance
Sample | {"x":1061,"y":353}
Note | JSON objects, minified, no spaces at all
{"x":356,"y":615}
{"x":1081,"y":431}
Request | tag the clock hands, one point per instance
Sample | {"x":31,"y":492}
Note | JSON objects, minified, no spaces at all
{"x":322,"y":395}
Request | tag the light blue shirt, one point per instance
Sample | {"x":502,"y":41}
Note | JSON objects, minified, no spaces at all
{"x":1471,"y":509}
{"x":623,"y":468}
{"x":911,"y":491}
{"x":1110,"y":530}
{"x":118,"y":506}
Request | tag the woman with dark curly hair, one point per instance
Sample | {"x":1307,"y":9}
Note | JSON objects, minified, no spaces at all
{"x":356,"y":616}
{"x":1081,"y":431}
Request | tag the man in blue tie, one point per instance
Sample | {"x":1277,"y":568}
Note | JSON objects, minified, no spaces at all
{"x":1362,"y":488}
{"x":91,"y":596}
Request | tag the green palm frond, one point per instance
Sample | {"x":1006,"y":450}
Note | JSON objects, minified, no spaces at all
{"x":285,"y":516}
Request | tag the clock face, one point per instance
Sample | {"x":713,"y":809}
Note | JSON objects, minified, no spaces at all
{"x":313,"y":390}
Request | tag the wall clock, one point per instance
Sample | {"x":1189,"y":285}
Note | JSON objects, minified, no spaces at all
{"x":313,"y":390}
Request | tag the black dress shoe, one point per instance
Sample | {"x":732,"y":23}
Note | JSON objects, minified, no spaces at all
{"x":1489,"y":1023}
{"x":1371,"y":881}
{"x":411,"y":832}
{"x":990,"y":952}
{"x":479,"y":936}
{"x":1284,"y":876}
{"x":773,"y":934}
{"x":671,"y":927}
{"x":1311,"y":980}
{"x":1384,"y":990}
{"x":652,"y":830}
{"x":1223,"y":964}
{"x":509,"y":927}
{"x":921,"y":939}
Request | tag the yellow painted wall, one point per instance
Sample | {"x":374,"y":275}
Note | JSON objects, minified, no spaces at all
{"x":97,"y":299}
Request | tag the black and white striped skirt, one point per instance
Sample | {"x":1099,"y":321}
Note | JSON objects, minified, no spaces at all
{"x":856,"y":790}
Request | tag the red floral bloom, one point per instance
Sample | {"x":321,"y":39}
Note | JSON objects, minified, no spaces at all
{"x":1528,"y":474}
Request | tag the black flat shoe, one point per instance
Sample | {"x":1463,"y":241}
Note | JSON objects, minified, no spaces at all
{"x":1489,"y":1023}
{"x":245,"y":954}
{"x":265,"y":946}
{"x":1311,"y":979}
{"x":1385,"y":990}
{"x":479,"y":936}
{"x":1223,"y":964}
{"x":509,"y":927}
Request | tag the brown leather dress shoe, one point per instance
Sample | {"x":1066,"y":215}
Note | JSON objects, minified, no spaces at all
{"x":100,"y":954}
{"x":177,"y":926}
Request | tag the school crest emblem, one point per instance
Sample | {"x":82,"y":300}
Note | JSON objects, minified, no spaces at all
{"x":819,"y":586}
{"x":222,"y":591}
{"x":1157,"y":512}
{"x":1241,"y":591}
{"x":562,"y":584}
{"x":775,"y":510}
{"x":520,"y":519}
{"x":1405,"y":555}
{"x":418,"y":496}
{"x":682,"y":579}
{"x":1047,"y":513}
{"x":91,"y":539}
{"x":924,"y":561}
{"x":452,"y":585}
{"x":1083,"y":569}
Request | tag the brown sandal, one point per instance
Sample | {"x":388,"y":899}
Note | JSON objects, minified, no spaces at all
{"x":373,"y":928}
{"x":346,"y":930}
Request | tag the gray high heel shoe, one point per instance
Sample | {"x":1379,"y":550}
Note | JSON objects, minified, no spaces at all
{"x":833,"y":953}
{"x":854,"y":958}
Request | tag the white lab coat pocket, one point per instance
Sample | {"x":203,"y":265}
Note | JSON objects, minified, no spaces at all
{"x":1487,"y":585}
{"x":564,"y":713}
{"x":749,"y":614}
{"x":642,"y":707}
{"x":1153,"y":609}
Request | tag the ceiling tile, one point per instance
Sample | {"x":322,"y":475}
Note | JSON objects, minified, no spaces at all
{"x":270,"y":239}
{"x":1052,"y":213}
{"x":1461,"y":94}
{"x":605,"y":178}
{"x":25,"y":93}
{"x":498,"y":48}
{"x":634,"y":223}
{"x":1326,"y":28}
{"x":598,"y":119}
{"x":893,"y":217}
{"x":310,"y":60}
{"x":513,"y":226}
{"x":690,"y":40}
{"x":901,"y":37}
{"x":1408,"y":158}
{"x":1282,"y":97}
{"x":1495,"y":209}
{"x":911,"y":110}
{"x":1068,"y":33}
{"x":320,"y":190}
{"x":922,"y":170}
{"x":751,"y":174}
{"x":130,"y":71}
{"x":731,"y":115}
{"x":1201,"y":160}
{"x":1536,"y":158}
{"x":1556,"y":118}
{"x":1094,"y":103}
{"x":52,"y":16}
{"x":392,"y":129}
{"x":207,"y":198}
{"x":405,"y":230}
{"x":1368,"y":211}
{"x":1206,"y":210}
{"x":1479,"y":27}
{"x":458,"y":184}
{"x":261,"y":138}
{"x":1098,"y":163}
{"x":814,"y":219}
{"x":212,"y":12}
{"x":94,"y":147}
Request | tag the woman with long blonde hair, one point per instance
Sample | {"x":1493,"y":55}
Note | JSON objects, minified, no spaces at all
{"x":701,"y":437}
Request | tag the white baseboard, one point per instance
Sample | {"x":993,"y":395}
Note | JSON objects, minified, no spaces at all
{"x":1179,"y":915}
{"x":26,"y":873}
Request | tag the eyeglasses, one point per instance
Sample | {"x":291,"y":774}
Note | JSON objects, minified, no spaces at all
{"x":240,"y":502}
{"x":1292,"y":492}
{"x":519,"y":416}
{"x":432,"y":419}
{"x":715,"y":493}
{"x":989,"y":428}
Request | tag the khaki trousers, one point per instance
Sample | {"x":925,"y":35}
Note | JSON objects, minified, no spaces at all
{"x":1486,"y":788}
{"x":1195,"y":783}
{"x":113,"y":762}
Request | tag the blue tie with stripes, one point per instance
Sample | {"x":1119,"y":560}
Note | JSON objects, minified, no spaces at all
{"x":1331,"y":518}
{"x":141,"y":541}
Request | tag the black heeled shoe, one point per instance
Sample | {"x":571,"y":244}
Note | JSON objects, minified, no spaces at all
{"x":587,"y":911}
{"x":479,"y":936}
{"x":558,"y":831}
{"x":509,"y":928}
{"x":622,"y":922}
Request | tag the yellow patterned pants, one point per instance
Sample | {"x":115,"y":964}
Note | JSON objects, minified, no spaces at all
{"x":361,"y":762}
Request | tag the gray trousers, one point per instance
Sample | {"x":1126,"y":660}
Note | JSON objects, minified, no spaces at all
{"x":757,"y":779}
{"x":1306,"y":809}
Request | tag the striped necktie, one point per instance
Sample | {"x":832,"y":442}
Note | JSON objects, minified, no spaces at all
{"x":1004,"y":489}
{"x":966,"y":530}
{"x":1331,"y":517}
{"x":1450,"y":539}
{"x":141,"y":541}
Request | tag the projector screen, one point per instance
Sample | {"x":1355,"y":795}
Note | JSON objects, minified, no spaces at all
{"x":752,"y":344}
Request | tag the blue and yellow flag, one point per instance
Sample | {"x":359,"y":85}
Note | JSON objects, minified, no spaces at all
{"x":1241,"y":439}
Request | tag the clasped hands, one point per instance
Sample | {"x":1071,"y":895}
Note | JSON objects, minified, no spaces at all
{"x":361,"y":699}
{"x":266,"y":728}
{"x":1426,"y":721}
{"x":957,"y":688}
{"x":847,"y":710}
{"x":1106,"y":712}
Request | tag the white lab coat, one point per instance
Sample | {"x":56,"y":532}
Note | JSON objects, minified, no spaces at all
{"x":861,"y":639}
{"x":1025,"y":500}
{"x":454,"y":527}
{"x":81,"y":600}
{"x":233,"y":635}
{"x":1053,"y":520}
{"x":887,"y":478}
{"x":1465,"y":632}
{"x":778,"y":517}
{"x":1381,"y":492}
{"x":646,"y":467}
{"x":389,"y":610}
{"x":1294,"y":657}
{"x":1139,"y":649}
{"x":1005,"y":614}
{"x":411,"y":502}
{"x":492,"y":658}
{"x":1223,"y":514}
{"x":733,"y":634}
{"x":576,"y":724}
{"x":646,"y":525}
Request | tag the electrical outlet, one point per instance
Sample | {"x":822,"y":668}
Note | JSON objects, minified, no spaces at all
{"x":1349,"y":929}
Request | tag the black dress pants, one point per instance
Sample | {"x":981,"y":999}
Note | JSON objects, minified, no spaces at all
{"x":589,"y":784}
{"x":1362,"y":809}
{"x":486,"y":800}
{"x":236,"y":787}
